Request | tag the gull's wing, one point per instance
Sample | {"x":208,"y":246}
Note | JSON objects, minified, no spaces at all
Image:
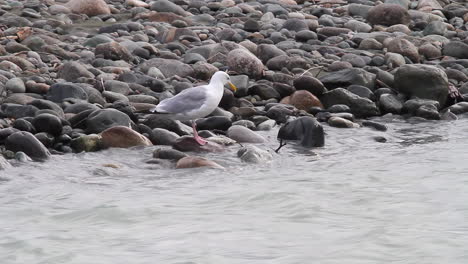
{"x":186,"y":101}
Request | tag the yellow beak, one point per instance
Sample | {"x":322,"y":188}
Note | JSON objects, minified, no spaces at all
{"x":233,"y":87}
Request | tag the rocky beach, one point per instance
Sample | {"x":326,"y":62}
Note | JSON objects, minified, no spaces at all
{"x":81,"y":75}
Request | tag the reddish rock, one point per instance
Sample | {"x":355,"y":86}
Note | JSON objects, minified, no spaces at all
{"x":303,"y":100}
{"x":388,"y":15}
{"x":404,"y":47}
{"x":188,"y":143}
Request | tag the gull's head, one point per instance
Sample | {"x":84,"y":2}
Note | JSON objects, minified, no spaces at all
{"x":223,"y":77}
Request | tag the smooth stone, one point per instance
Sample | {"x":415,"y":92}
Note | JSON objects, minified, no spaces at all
{"x":102,"y":119}
{"x":71,"y":71}
{"x":361,"y":107}
{"x":404,"y":47}
{"x":375,"y":125}
{"x":348,"y":77}
{"x":266,"y":125}
{"x":311,"y":84}
{"x":390,"y":103}
{"x":339,"y":122}
{"x":459,"y":108}
{"x":253,"y":154}
{"x":244,"y":62}
{"x":161,"y":136}
{"x":96,"y":40}
{"x":188,"y":143}
{"x":27,"y":143}
{"x":17,"y":111}
{"x":113,"y":51}
{"x":48,"y":123}
{"x":45,"y":138}
{"x":456,"y":49}
{"x":245,"y":123}
{"x":412,"y":105}
{"x":117,"y":87}
{"x":88,"y":7}
{"x":15,"y":85}
{"x":45,"y":104}
{"x":214,"y":123}
{"x":58,"y":92}
{"x":168,"y":6}
{"x":196,"y":162}
{"x":162,"y":121}
{"x":388,"y":15}
{"x":123,"y":137}
{"x":307,"y":130}
{"x":361,"y":91}
{"x":428,"y":112}
{"x":338,"y":108}
{"x":5,"y":132}
{"x":169,"y":154}
{"x":423,"y":81}
{"x":4,"y":164}
{"x":168,"y":67}
{"x":23,"y":125}
{"x":242,"y":134}
{"x":303,"y":100}
{"x":265,"y":52}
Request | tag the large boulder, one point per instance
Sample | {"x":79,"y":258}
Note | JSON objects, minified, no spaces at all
{"x":102,"y":119}
{"x":89,"y":7}
{"x":123,"y":137}
{"x":423,"y":81}
{"x":307,"y":130}
{"x":27,"y":143}
{"x":361,"y":107}
{"x":244,"y":62}
{"x":388,"y":15}
{"x":347,"y":77}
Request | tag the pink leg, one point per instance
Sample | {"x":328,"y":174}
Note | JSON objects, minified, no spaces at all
{"x":197,"y":138}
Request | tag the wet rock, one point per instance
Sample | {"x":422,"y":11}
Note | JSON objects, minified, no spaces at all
{"x":87,"y":143}
{"x":161,"y":136}
{"x":242,"y":134}
{"x":71,"y":71}
{"x":339,"y":108}
{"x":89,"y":7}
{"x":24,"y":125}
{"x":459,"y":108}
{"x":214,"y":122}
{"x":423,"y":81}
{"x":412,"y":105}
{"x":388,"y":15}
{"x":253,"y":154}
{"x":265,"y":52}
{"x":48,"y":123}
{"x":102,"y":119}
{"x":266,"y":125}
{"x":361,"y":107}
{"x":45,"y":138}
{"x":17,"y":111}
{"x":6,"y":132}
{"x":428,"y":112}
{"x":161,"y":121}
{"x":170,"y":154}
{"x":15,"y":85}
{"x":58,"y":92}
{"x":244,"y":62}
{"x":336,"y":121}
{"x":123,"y":137}
{"x":27,"y":143}
{"x":375,"y":125}
{"x":188,"y":143}
{"x":390,"y":103}
{"x":196,"y":162}
{"x":361,"y":91}
{"x":347,"y":77}
{"x":307,"y":130}
{"x":265,"y":91}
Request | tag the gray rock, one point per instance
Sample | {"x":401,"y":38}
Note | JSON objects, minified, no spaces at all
{"x":244,"y":62}
{"x":117,"y":87}
{"x":265,"y":52}
{"x":423,"y":81}
{"x":266,"y":125}
{"x":27,"y":143}
{"x":71,"y":71}
{"x":459,"y":108}
{"x":103,"y":119}
{"x":361,"y":91}
{"x":347,"y":77}
{"x":253,"y":154}
{"x":435,"y":28}
{"x":390,"y":103}
{"x":388,"y":15}
{"x":4,"y":164}
{"x":161,"y":136}
{"x":45,"y":104}
{"x":17,"y":111}
{"x":428,"y":112}
{"x":98,"y":39}
{"x":167,"y":6}
{"x":358,"y":10}
{"x":361,"y":107}
{"x":60,"y":91}
{"x":15,"y":85}
{"x":170,"y":154}
{"x":358,"y":26}
{"x":412,"y":105}
{"x":114,"y":97}
{"x":242,"y":134}
{"x":295,"y":24}
{"x":311,"y":84}
{"x":456,"y":49}
{"x":113,"y":51}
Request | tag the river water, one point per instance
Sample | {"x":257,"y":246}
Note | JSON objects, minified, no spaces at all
{"x":354,"y":201}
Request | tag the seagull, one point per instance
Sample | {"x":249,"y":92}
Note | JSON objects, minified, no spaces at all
{"x":196,"y":102}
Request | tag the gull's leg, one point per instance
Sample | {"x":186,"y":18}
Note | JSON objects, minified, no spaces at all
{"x":197,"y":138}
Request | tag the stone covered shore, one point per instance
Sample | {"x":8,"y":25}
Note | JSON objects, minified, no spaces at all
{"x":81,"y":75}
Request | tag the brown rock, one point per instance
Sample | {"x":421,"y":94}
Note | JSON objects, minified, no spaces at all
{"x":123,"y":137}
{"x":164,"y":17}
{"x":137,"y":3}
{"x":89,"y":7}
{"x":303,"y":100}
{"x":429,"y":51}
{"x":196,"y":162}
{"x":388,"y":15}
{"x":37,"y":88}
{"x":244,"y":62}
{"x":113,"y":51}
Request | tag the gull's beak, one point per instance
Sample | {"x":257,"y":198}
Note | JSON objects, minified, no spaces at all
{"x":233,"y":87}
